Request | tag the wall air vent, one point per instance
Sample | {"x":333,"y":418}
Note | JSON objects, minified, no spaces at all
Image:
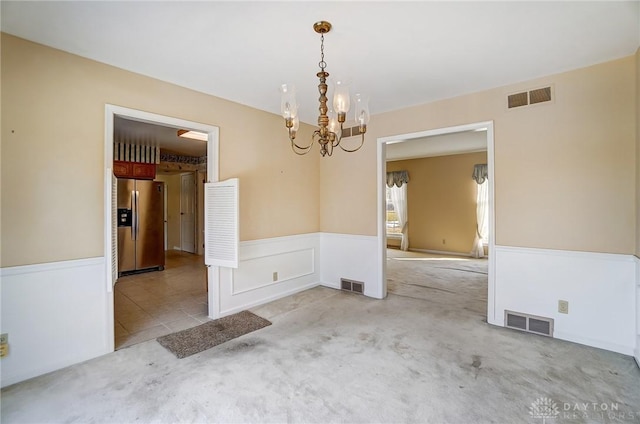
{"x":351,"y":131}
{"x":540,"y":95}
{"x":529,"y":323}
{"x":357,"y":287}
{"x":531,"y":97}
{"x":518,"y":99}
{"x":345,"y":284}
{"x":352,"y":286}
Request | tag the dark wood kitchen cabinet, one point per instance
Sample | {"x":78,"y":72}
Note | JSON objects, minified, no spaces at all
{"x":135,"y":170}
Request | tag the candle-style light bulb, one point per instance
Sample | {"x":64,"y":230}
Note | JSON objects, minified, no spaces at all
{"x":294,"y":127}
{"x":296,"y":123}
{"x":288,"y":103}
{"x":333,"y":122}
{"x":361,"y":111}
{"x":341,"y":97}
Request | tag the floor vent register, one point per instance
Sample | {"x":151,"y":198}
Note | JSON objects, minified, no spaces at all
{"x":529,"y":323}
{"x":352,"y":286}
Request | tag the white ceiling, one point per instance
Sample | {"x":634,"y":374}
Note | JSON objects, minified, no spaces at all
{"x":135,"y":132}
{"x":399,"y":53}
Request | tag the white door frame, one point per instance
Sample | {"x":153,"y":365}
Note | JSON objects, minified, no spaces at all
{"x":213,"y":166}
{"x":381,"y":184}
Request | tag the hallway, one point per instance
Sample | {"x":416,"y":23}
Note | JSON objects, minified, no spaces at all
{"x":153,"y":304}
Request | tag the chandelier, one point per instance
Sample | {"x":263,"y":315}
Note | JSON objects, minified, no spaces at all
{"x":330,"y":131}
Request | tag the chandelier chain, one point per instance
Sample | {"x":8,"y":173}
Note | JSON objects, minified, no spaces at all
{"x":322,"y":64}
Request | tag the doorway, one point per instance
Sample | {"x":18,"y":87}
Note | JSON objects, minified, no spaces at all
{"x":184,"y":217}
{"x":382,"y":146}
{"x":153,"y":304}
{"x":111,"y":114}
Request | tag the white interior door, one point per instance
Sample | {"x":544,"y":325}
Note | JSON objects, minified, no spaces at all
{"x":188,"y":212}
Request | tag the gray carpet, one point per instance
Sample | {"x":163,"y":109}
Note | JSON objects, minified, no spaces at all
{"x":441,"y":279}
{"x":336,"y":357}
{"x":194,"y":340}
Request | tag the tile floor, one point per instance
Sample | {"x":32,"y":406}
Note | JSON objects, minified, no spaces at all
{"x":156,"y":303}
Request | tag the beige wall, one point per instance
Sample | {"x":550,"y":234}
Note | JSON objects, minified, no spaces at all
{"x":565,"y":171}
{"x":53,"y":153}
{"x":441,"y":201}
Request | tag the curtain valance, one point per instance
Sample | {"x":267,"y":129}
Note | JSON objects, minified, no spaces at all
{"x":397,"y":178}
{"x":480,"y":173}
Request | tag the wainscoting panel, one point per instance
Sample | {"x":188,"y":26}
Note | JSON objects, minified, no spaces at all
{"x":276,"y":268}
{"x":56,"y":314}
{"x":352,"y":257}
{"x":600,"y":289}
{"x":295,"y":259}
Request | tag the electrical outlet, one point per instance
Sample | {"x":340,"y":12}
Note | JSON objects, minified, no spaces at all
{"x":4,"y":338}
{"x":444,"y":241}
{"x":563,"y":306}
{"x":275,"y":276}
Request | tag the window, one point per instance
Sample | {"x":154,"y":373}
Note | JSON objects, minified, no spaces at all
{"x":393,"y":225}
{"x":483,"y":212}
{"x":480,"y":176}
{"x":397,"y":207}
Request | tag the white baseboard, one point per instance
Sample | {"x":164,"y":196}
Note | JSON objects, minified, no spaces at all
{"x":261,"y":301}
{"x":441,"y":252}
{"x":331,"y":285}
{"x":636,"y":352}
{"x":599,"y":287}
{"x":55,"y":315}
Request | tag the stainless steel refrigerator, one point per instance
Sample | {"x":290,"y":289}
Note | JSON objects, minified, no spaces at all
{"x":140,"y":225}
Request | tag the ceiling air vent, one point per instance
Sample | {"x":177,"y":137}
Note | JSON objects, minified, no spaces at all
{"x":529,"y":323}
{"x":539,"y":95}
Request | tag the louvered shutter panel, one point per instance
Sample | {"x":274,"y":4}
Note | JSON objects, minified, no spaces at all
{"x":114,"y":229}
{"x":221,"y":223}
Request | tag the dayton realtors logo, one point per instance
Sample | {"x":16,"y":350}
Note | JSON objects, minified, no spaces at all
{"x":545,"y":409}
